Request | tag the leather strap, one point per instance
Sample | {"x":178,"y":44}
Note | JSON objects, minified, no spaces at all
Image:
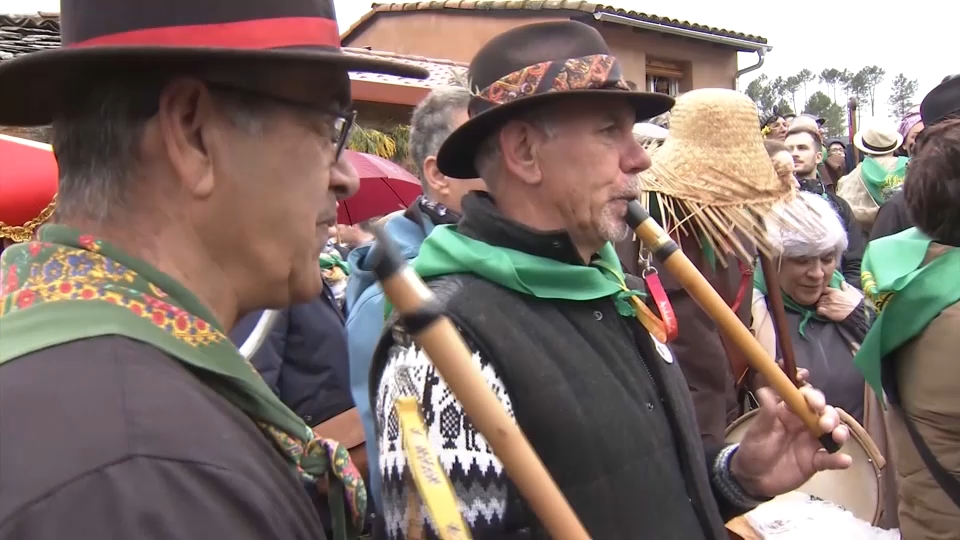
{"x":347,"y":428}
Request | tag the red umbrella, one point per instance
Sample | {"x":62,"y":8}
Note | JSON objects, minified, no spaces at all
{"x":385,"y":187}
{"x":28,"y":184}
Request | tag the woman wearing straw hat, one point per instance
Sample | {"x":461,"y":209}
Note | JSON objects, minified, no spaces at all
{"x":877,"y":177}
{"x":708,"y":186}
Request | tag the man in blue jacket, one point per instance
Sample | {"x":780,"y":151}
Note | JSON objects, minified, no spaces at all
{"x":433,"y":120}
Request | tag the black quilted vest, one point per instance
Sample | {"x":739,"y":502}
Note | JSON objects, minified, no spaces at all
{"x":609,"y":416}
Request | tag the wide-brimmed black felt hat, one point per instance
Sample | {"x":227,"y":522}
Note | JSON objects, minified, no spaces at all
{"x":270,"y":41}
{"x":527,"y":66}
{"x":942,"y":102}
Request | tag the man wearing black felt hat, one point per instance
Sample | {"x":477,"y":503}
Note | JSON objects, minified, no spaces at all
{"x":195,"y":141}
{"x":531,"y":279}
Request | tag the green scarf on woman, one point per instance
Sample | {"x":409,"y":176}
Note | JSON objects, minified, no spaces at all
{"x":880,"y":182}
{"x":445,"y":251}
{"x":907,"y":293}
{"x":67,"y":286}
{"x":806,"y":312}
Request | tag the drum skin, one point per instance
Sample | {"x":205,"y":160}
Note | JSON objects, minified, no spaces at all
{"x":857,"y":488}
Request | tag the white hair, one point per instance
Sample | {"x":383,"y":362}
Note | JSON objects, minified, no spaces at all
{"x":806,"y":226}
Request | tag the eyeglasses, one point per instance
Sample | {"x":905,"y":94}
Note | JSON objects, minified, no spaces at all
{"x":340,"y":128}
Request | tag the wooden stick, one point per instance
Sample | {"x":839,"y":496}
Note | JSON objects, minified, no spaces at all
{"x":775,"y":298}
{"x":670,"y":255}
{"x":452,"y":358}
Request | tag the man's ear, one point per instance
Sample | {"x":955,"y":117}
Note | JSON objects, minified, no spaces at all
{"x":185,"y":110}
{"x":438,"y":183}
{"x":520,"y":144}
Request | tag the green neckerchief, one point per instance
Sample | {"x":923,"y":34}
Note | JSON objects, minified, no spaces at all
{"x":806,"y":313}
{"x":445,"y":251}
{"x":330,"y":260}
{"x":907,"y":294}
{"x":66,"y":287}
{"x":880,"y":182}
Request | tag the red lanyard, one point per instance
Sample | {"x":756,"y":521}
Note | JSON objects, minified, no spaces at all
{"x":746,"y":281}
{"x":668,"y":318}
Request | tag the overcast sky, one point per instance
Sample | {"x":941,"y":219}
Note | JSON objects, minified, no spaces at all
{"x":917,"y":38}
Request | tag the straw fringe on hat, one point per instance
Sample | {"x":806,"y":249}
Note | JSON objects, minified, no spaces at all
{"x":712,"y":177}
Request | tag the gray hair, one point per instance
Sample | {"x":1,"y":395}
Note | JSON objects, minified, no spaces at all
{"x":97,"y":142}
{"x":489,"y":156}
{"x":432,"y":123}
{"x":806,"y":226}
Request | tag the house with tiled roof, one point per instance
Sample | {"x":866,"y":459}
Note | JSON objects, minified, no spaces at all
{"x":662,"y":54}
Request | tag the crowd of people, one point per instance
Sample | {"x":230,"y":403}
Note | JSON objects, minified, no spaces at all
{"x":193,"y":348}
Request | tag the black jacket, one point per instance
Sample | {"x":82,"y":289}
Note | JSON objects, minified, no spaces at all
{"x":891,"y":218}
{"x":304,"y":360}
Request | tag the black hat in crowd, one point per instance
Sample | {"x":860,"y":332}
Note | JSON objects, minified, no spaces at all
{"x":284,"y":44}
{"x":528,"y":66}
{"x":941,"y":102}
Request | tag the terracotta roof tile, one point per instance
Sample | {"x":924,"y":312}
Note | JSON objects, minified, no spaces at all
{"x":531,"y":5}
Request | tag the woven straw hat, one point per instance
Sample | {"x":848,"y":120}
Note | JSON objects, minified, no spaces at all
{"x":712,"y":177}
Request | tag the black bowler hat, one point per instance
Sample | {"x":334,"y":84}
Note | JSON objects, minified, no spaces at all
{"x":941,"y":102}
{"x":527,"y":66}
{"x":270,"y":40}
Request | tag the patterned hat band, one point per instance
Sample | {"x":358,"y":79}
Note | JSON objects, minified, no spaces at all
{"x":594,"y":72}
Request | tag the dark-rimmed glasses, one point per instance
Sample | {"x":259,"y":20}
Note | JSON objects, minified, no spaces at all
{"x":340,"y":128}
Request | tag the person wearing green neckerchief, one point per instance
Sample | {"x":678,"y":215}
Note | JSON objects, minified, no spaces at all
{"x":195,"y":143}
{"x":826,"y":317}
{"x":911,"y":352}
{"x":530,"y":277}
{"x":877,"y":177}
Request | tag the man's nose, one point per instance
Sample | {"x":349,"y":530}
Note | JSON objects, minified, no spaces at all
{"x":635,"y":159}
{"x":344,"y":180}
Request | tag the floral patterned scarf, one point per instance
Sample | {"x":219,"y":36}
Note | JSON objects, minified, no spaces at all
{"x":66,"y":286}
